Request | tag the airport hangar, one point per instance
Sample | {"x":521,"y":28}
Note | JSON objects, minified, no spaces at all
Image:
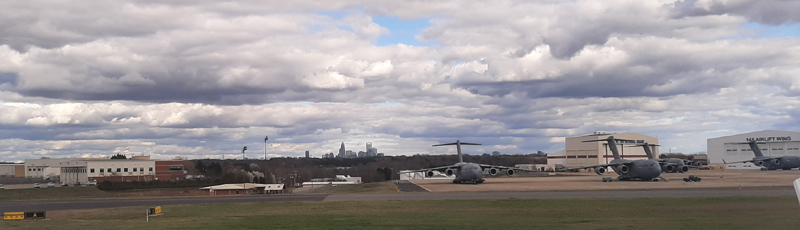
{"x":579,"y":153}
{"x":735,"y":147}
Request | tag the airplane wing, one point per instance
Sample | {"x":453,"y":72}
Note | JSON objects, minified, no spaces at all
{"x":440,"y":169}
{"x":595,"y":166}
{"x":483,"y":166}
{"x":747,"y":161}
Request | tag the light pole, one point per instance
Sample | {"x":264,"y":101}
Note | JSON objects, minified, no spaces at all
{"x":265,"y":146}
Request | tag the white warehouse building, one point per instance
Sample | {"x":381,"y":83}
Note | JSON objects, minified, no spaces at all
{"x":579,"y":153}
{"x":82,"y":171}
{"x":736,"y":148}
{"x":47,"y":168}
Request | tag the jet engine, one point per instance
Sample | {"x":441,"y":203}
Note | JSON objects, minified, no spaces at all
{"x":683,"y":169}
{"x":622,"y":169}
{"x":668,"y":168}
{"x":493,"y":171}
{"x":600,"y":170}
{"x":449,"y":172}
{"x":429,"y":174}
{"x":759,"y":163}
{"x":510,"y":172}
{"x":777,"y":161}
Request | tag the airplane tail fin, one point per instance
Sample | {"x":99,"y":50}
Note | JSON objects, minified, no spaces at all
{"x":458,"y":144}
{"x":647,"y":149}
{"x":612,"y":144}
{"x":755,"y":148}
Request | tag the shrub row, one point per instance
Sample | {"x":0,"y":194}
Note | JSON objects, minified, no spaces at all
{"x":108,"y":185}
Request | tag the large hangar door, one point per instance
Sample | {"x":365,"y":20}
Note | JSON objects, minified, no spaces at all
{"x":792,"y":148}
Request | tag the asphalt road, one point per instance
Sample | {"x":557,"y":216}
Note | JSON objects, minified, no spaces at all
{"x":27,"y":206}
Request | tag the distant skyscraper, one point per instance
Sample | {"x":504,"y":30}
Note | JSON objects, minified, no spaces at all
{"x":341,"y":151}
{"x":369,"y":146}
{"x":307,"y":156}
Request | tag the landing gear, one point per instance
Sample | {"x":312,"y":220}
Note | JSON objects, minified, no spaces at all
{"x":606,"y":179}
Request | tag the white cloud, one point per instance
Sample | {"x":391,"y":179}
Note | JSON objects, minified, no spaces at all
{"x":202,"y":78}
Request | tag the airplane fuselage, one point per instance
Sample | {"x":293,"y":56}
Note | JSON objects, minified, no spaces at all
{"x":678,"y":165}
{"x":468,"y":173}
{"x":784,"y":162}
{"x":637,"y":169}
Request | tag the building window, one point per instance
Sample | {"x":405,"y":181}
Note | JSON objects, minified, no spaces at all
{"x":151,"y":169}
{"x":91,"y":170}
{"x":126,"y":169}
{"x":119,"y":170}
{"x":176,"y":168}
{"x":134,"y":169}
{"x":141,"y":169}
{"x":101,"y":170}
{"x":109,"y":170}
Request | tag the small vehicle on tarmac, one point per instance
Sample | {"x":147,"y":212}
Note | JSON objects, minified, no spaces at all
{"x":51,"y":184}
{"x":36,"y":185}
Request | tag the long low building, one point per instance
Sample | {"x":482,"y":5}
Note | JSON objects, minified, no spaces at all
{"x":244,"y":188}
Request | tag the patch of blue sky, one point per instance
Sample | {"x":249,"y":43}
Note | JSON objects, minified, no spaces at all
{"x":402,"y":31}
{"x":757,"y":30}
{"x":388,"y":103}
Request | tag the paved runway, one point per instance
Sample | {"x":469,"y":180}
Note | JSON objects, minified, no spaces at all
{"x":26,"y":206}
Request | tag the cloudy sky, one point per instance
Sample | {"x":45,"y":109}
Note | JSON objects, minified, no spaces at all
{"x":204,"y":78}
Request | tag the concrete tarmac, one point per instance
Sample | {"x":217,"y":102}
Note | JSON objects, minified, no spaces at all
{"x":603,"y":194}
{"x":592,"y":182}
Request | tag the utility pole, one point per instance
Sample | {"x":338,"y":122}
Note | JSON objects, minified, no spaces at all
{"x":265,"y":146}
{"x":294,"y":180}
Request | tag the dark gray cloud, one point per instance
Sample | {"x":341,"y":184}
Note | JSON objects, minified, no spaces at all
{"x":772,"y":12}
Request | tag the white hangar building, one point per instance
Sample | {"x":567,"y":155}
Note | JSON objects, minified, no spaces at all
{"x":735,"y":147}
{"x":579,"y":153}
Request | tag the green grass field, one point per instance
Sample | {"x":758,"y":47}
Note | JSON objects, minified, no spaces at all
{"x":668,"y":213}
{"x":52,"y":193}
{"x":376,"y":187}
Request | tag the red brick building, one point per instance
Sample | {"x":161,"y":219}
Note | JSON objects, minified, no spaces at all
{"x":170,"y":170}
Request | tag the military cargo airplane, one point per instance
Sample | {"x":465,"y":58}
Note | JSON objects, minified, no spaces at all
{"x":770,"y":163}
{"x":645,"y":170}
{"x":669,"y":165}
{"x":466,"y":172}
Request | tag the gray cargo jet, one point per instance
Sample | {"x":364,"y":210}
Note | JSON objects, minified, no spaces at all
{"x":466,"y":172}
{"x":645,"y":170}
{"x":770,"y":163}
{"x":669,"y":165}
